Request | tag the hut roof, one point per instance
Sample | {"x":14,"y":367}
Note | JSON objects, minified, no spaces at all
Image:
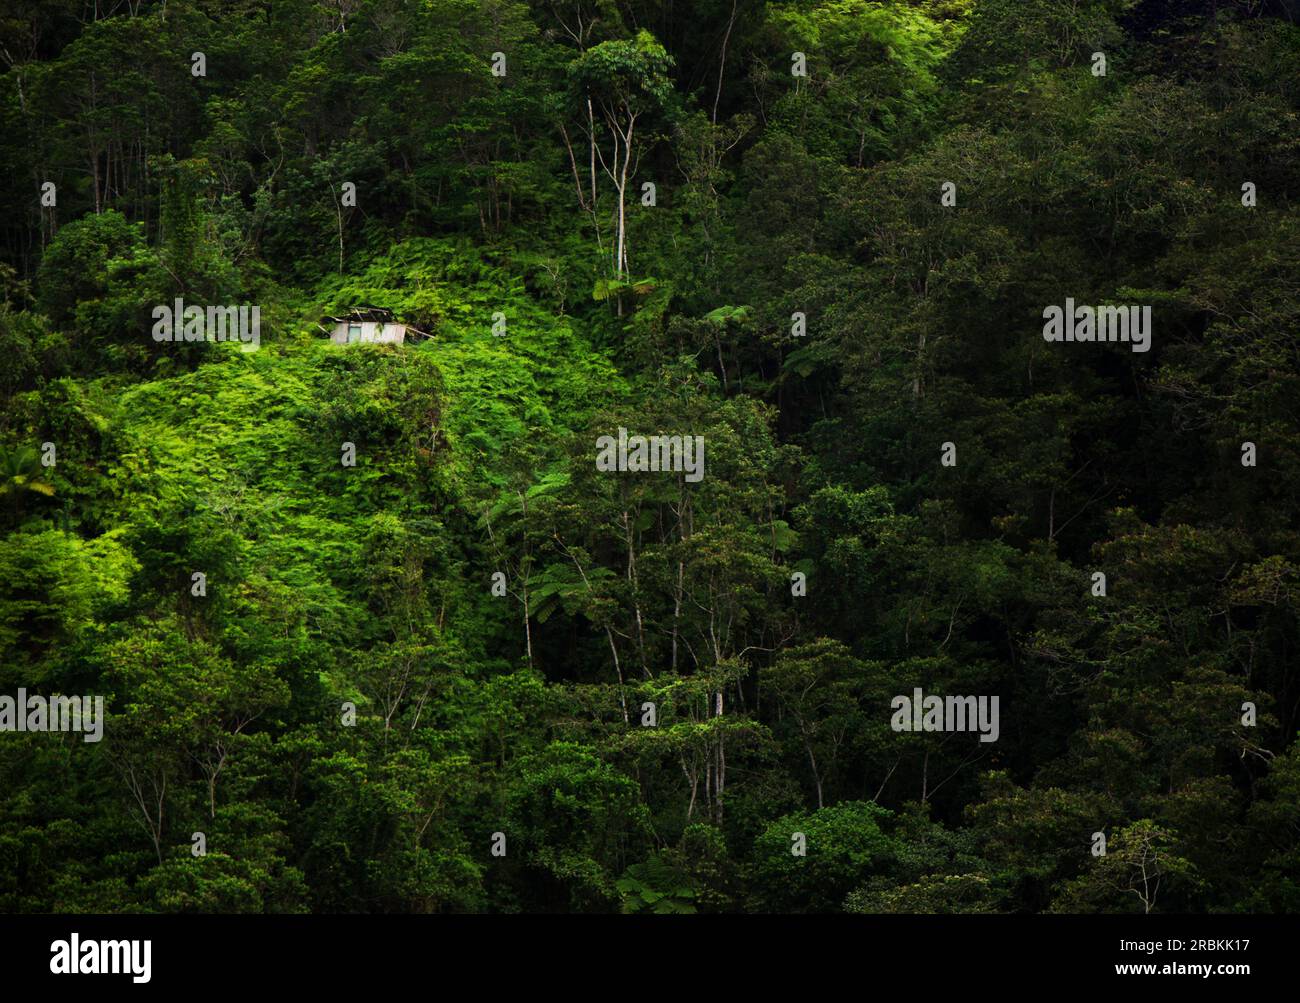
{"x":362,"y":311}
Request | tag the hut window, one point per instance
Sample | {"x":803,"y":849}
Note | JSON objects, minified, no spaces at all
{"x":354,"y":332}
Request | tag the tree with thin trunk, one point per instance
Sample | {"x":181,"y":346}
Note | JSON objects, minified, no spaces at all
{"x":620,"y":86}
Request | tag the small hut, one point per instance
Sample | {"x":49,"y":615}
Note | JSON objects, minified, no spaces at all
{"x":369,"y":324}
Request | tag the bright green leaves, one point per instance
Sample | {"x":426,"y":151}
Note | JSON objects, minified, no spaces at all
{"x":842,"y":846}
{"x":575,"y":817}
{"x":630,"y":77}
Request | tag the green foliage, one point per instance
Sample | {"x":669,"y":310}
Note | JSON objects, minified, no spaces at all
{"x":350,"y":711}
{"x":74,"y":268}
{"x":844,"y":844}
{"x":576,"y":818}
{"x":653,"y":886}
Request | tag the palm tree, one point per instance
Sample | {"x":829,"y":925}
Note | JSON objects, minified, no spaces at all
{"x":20,"y":475}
